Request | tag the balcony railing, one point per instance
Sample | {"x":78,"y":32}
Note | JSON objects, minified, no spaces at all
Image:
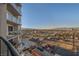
{"x":11,"y":50}
{"x":14,"y":32}
{"x":12,"y":18}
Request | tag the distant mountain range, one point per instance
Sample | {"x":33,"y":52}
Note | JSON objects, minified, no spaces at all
{"x":75,"y":28}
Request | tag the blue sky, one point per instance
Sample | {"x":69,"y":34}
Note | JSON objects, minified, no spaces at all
{"x":46,"y":16}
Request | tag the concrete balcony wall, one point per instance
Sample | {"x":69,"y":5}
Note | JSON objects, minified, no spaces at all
{"x":3,"y":30}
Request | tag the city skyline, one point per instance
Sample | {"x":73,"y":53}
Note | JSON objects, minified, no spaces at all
{"x":47,"y":16}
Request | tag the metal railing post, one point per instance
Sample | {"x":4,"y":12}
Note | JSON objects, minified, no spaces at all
{"x":12,"y":50}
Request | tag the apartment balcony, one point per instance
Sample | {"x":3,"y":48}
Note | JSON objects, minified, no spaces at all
{"x":14,"y":32}
{"x":14,"y":8}
{"x":18,"y":8}
{"x":12,"y":18}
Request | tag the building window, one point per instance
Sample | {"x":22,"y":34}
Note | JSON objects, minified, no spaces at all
{"x":10,"y":28}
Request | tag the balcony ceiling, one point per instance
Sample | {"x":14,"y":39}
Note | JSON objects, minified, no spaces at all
{"x":13,"y":10}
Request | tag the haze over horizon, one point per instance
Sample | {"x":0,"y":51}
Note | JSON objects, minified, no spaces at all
{"x":48,"y":16}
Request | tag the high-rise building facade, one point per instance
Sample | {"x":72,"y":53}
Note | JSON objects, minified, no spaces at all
{"x":10,"y":24}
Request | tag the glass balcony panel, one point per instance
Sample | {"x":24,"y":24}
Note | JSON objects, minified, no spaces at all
{"x":17,"y":32}
{"x":12,"y":18}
